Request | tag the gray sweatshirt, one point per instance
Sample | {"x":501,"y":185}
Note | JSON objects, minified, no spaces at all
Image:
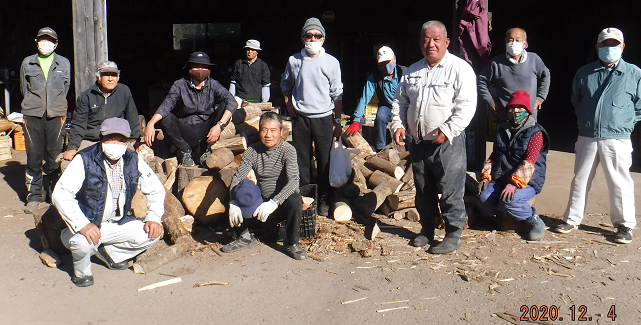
{"x":501,"y":77}
{"x":315,"y":83}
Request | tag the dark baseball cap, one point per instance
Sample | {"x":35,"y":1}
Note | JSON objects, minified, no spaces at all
{"x":47,"y":31}
{"x":248,"y":197}
{"x":115,"y":125}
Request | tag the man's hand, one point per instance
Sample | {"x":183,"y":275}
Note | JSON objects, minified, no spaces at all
{"x":214,"y":133}
{"x":399,"y":136}
{"x":353,"y":128}
{"x":69,"y":154}
{"x":483,"y":185}
{"x":153,"y":228}
{"x":440,"y":137}
{"x":265,"y":209}
{"x":508,"y":193}
{"x":92,"y":233}
{"x":150,"y":134}
{"x":235,"y":215}
{"x":288,"y":103}
{"x":337,"y":129}
{"x":537,"y":103}
{"x":493,"y":107}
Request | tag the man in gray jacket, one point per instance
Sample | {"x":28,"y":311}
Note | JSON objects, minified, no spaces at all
{"x":44,"y":82}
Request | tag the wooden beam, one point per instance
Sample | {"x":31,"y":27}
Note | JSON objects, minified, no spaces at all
{"x":90,"y":40}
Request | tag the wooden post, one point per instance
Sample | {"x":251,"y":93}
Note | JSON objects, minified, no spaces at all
{"x":90,"y":40}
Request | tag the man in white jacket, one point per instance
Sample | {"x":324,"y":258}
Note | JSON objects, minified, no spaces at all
{"x":94,"y":197}
{"x":435,"y":101}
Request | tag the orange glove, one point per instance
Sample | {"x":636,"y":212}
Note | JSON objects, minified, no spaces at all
{"x":353,"y":128}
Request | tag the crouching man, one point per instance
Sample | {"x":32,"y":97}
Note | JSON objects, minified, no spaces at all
{"x":276,"y":197}
{"x":515,"y":171}
{"x":94,"y":197}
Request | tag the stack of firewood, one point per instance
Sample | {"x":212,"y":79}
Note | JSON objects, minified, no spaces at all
{"x":381,"y":183}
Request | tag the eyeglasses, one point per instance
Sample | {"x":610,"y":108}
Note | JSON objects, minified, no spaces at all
{"x":308,"y":37}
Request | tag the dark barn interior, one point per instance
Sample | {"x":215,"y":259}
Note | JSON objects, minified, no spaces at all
{"x":151,"y":39}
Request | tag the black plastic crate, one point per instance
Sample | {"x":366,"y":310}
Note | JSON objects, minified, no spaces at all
{"x":308,"y":224}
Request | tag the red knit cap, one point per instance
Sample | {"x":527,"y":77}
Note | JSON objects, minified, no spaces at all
{"x":520,"y":97}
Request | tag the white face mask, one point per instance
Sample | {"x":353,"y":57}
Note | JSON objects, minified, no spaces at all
{"x":313,"y":47}
{"x":114,"y":151}
{"x":46,"y":48}
{"x":514,"y":48}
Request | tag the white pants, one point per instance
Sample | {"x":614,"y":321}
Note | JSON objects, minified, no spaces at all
{"x":615,"y":155}
{"x":121,"y":243}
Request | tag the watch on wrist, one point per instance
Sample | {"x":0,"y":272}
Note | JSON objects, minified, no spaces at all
{"x":222,"y":125}
{"x":337,"y":120}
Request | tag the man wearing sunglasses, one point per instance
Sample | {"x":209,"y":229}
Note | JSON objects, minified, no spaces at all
{"x":313,"y":93}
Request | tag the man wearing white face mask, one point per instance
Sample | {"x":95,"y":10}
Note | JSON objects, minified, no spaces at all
{"x":44,"y":83}
{"x":515,"y":70}
{"x":313,"y":90}
{"x":606,"y":95}
{"x":93,"y":197}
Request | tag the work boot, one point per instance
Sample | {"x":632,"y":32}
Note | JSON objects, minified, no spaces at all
{"x":450,"y":243}
{"x":240,"y":243}
{"x":426,"y":237}
{"x":84,"y":281}
{"x":187,"y":160}
{"x":102,"y":255}
{"x":203,"y":157}
{"x":536,"y":226}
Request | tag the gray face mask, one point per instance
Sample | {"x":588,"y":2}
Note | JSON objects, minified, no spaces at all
{"x":388,"y":68}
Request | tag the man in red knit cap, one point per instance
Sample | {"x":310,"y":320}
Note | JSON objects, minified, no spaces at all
{"x":515,"y":171}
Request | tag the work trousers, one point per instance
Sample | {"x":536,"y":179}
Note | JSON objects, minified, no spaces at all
{"x":186,"y":136}
{"x":518,"y":208}
{"x":383,"y":117}
{"x":306,"y":130}
{"x":615,"y":155}
{"x":440,"y":169}
{"x":121,"y":242}
{"x":43,"y":141}
{"x":291,"y":211}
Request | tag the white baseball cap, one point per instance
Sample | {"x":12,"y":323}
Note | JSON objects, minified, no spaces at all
{"x":385,"y":54}
{"x":610,"y":33}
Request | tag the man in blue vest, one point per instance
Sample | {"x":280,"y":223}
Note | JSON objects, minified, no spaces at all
{"x":515,"y":171}
{"x":94,"y":197}
{"x":383,"y":82}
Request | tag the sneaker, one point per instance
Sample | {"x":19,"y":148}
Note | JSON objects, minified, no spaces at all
{"x":203,"y":157}
{"x":564,"y":228}
{"x":623,"y":235}
{"x":323,"y":208}
{"x":240,"y":243}
{"x":31,"y":206}
{"x":85,"y":281}
{"x":102,"y":255}
{"x":187,"y":160}
{"x":296,"y":252}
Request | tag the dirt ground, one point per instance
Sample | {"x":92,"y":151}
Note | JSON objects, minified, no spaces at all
{"x":487,"y":281}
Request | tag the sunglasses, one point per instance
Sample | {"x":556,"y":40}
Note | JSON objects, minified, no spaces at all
{"x":308,"y":37}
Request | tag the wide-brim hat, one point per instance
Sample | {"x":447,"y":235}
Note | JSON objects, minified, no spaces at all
{"x":199,"y":57}
{"x":115,"y":125}
{"x":248,"y":197}
{"x":253,"y":44}
{"x":520,"y":97}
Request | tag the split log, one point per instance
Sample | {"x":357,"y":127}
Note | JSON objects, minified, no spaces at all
{"x":397,"y":215}
{"x":409,"y":174}
{"x":226,"y":175}
{"x":404,"y":163}
{"x":401,"y":200}
{"x":389,"y":154}
{"x":236,"y":145}
{"x":370,"y":202}
{"x":359,"y":179}
{"x":357,"y":141}
{"x":139,"y":205}
{"x":228,"y":132}
{"x":170,"y":166}
{"x":147,"y":155}
{"x":50,"y":258}
{"x":49,"y":224}
{"x":266,"y":106}
{"x":359,"y":163}
{"x":385,"y":209}
{"x":204,"y":197}
{"x":238,"y":158}
{"x":249,"y":127}
{"x":287,"y":129}
{"x":148,"y":263}
{"x":251,"y":111}
{"x":219,"y":158}
{"x":378,"y":177}
{"x":409,"y":186}
{"x":411,"y":214}
{"x":171,"y":221}
{"x":342,"y":211}
{"x":186,"y":174}
{"x":377,"y":163}
{"x":307,"y":202}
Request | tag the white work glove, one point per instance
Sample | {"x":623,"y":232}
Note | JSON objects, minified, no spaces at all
{"x":235,"y":216}
{"x":265,"y":209}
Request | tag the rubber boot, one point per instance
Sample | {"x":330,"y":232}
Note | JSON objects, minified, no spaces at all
{"x":536,"y":226}
{"x":426,"y":237}
{"x":450,"y":243}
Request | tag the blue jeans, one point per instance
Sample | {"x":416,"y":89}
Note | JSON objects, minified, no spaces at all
{"x":490,"y":202}
{"x":383,"y":117}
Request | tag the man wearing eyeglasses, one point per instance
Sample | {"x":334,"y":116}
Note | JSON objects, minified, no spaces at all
{"x":313,"y":90}
{"x":250,"y":79}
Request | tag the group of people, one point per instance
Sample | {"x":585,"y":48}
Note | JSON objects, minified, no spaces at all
{"x":429,"y":105}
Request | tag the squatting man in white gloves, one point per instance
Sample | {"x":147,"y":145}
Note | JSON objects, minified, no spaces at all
{"x":94,"y":197}
{"x":276,"y":195}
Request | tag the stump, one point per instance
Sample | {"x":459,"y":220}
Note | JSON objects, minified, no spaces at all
{"x":49,"y":225}
{"x":205,"y":197}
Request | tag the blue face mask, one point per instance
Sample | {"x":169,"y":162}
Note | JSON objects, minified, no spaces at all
{"x":609,"y":54}
{"x":388,"y":68}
